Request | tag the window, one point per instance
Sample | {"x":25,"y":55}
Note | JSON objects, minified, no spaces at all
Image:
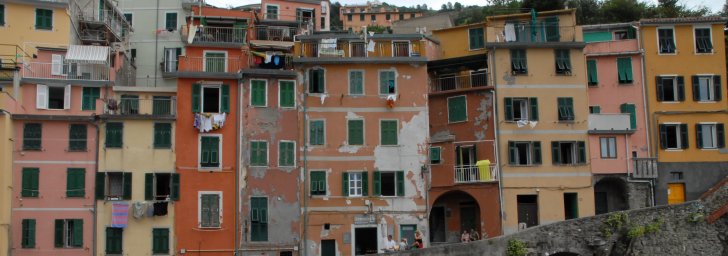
{"x":258,"y":153}
{"x":632,"y":110}
{"x":389,"y":183}
{"x":519,"y":64}
{"x":566,"y":109}
{"x":355,"y":184}
{"x":129,"y":104}
{"x":211,"y":98}
{"x":316,"y":81}
{"x":162,"y":135}
{"x":287,"y":94}
{"x":286,"y":153}
{"x":210,"y":152}
{"x":28,"y":234}
{"x":624,"y":70}
{"x":113,"y":186}
{"x":571,"y":205}
{"x":666,"y":40}
{"x":32,"y":133}
{"x":524,"y":153}
{"x":387,"y":82}
{"x":43,"y":19}
{"x":608,"y":146}
{"x":57,"y":65}
{"x":374,"y":17}
{"x":703,"y":42}
{"x":670,"y":88}
{"x":568,"y":152}
{"x":676,"y":176}
{"x":68,"y":233}
{"x":53,"y":97}
{"x":215,"y":62}
{"x":348,"y":17}
{"x":162,"y":105}
{"x":258,"y":93}
{"x":161,"y":186}
{"x":30,"y":185}
{"x":466,"y":156}
{"x":114,"y":240}
{"x":707,"y":88}
{"x":258,"y":219}
{"x":355,"y":132}
{"x":129,"y":17}
{"x":563,"y":62}
{"x":435,"y":155}
{"x":317,"y":132}
{"x":521,"y":109}
{"x":412,"y":15}
{"x":361,"y":17}
{"x":595,"y":109}
{"x":388,"y":132}
{"x":476,"y":39}
{"x":210,"y":213}
{"x":89,"y":97}
{"x":710,"y":135}
{"x":388,"y":16}
{"x":75,"y":182}
{"x":591,"y":67}
{"x":620,"y":35}
{"x":170,"y":21}
{"x":271,"y":12}
{"x":356,"y":82}
{"x":318,"y":183}
{"x":401,"y":16}
{"x":114,"y":135}
{"x":457,"y":109}
{"x":673,"y":136}
{"x":2,"y":15}
{"x":160,"y":241}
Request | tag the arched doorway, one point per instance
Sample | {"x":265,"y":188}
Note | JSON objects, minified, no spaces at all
{"x":610,"y":194}
{"x":452,"y":213}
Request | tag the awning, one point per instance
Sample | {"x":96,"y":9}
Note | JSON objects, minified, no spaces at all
{"x":88,"y":54}
{"x":271,"y":44}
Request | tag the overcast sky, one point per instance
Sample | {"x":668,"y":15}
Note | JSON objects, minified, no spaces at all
{"x":714,"y":5}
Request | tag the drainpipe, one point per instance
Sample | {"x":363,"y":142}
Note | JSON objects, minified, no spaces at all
{"x":497,"y":140}
{"x":238,"y":153}
{"x":645,"y":104}
{"x":303,"y":178}
{"x":96,"y":170}
{"x":9,"y":224}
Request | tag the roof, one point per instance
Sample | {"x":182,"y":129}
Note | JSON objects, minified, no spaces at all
{"x":271,"y":44}
{"x":88,"y":54}
{"x":462,"y":26}
{"x":605,"y":26}
{"x":528,"y":14}
{"x":684,"y":20}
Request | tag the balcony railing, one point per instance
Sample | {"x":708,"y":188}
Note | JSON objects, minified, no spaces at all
{"x":111,"y":18}
{"x":66,"y":71}
{"x":358,"y":49}
{"x":275,"y":33}
{"x":141,"y":107}
{"x":645,"y":168}
{"x":539,"y":33}
{"x":475,"y":79}
{"x":284,"y":62}
{"x":473,"y":174}
{"x":210,"y":64}
{"x":207,"y":34}
{"x":609,"y":122}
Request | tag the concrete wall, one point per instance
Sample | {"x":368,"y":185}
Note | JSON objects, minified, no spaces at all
{"x":287,"y":11}
{"x":19,"y":28}
{"x":425,"y":23}
{"x":696,"y":176}
{"x":6,"y":182}
{"x":454,"y":42}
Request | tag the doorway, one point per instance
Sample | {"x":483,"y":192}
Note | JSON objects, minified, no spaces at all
{"x":365,"y":241}
{"x":527,"y":210}
{"x":468,"y":217}
{"x":675,"y":193}
{"x":437,"y":224}
{"x":328,"y":247}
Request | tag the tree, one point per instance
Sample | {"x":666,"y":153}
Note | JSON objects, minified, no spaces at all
{"x":544,"y":5}
{"x":587,"y":11}
{"x":443,"y":8}
{"x":725,"y":9}
{"x":336,"y":23}
{"x":623,"y":10}
{"x":449,"y":5}
{"x":458,"y":6}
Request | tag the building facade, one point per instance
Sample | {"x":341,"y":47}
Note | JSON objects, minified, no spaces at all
{"x":312,"y":15}
{"x":355,"y":17}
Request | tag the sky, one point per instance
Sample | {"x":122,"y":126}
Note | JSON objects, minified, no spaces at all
{"x":714,"y":5}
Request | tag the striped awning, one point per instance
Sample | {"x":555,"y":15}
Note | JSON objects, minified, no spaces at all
{"x":90,"y":54}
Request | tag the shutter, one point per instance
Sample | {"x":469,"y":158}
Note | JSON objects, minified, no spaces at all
{"x":215,"y":210}
{"x":41,"y":99}
{"x":536,"y":152}
{"x":100,"y":185}
{"x":680,"y":88}
{"x":570,"y":106}
{"x":356,"y":131}
{"x":127,"y":186}
{"x":400,"y":183}
{"x":313,"y":183}
{"x":663,"y":136}
{"x":225,"y":99}
{"x":213,"y":144}
{"x":534,"y":109}
{"x":699,"y":135}
{"x":175,"y":187}
{"x":696,"y":88}
{"x":508,"y":109}
{"x":39,"y":18}
{"x":383,"y":87}
{"x":204,"y":151}
{"x":56,"y":64}
{"x":345,"y":184}
{"x":365,"y":184}
{"x":720,"y":135}
{"x":67,"y":97}
{"x":596,"y":109}
{"x":377,"y":181}
{"x":321,"y":86}
{"x":31,"y":233}
{"x":555,"y":156}
{"x":592,"y":70}
{"x":458,"y":156}
{"x":660,"y":91}
{"x":149,"y":186}
{"x":205,"y":211}
{"x":78,"y":232}
{"x":684,"y":135}
{"x":581,"y":146}
{"x":512,"y":151}
{"x":58,"y":237}
{"x":196,"y":100}
{"x":628,"y":69}
{"x":718,"y":92}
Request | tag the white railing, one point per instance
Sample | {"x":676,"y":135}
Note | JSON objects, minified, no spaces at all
{"x":207,"y":34}
{"x":275,"y":33}
{"x":210,"y":64}
{"x":473,"y":174}
{"x":475,"y":79}
{"x":66,"y":71}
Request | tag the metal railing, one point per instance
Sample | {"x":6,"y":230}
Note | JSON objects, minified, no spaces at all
{"x":208,"y":34}
{"x":348,"y":50}
{"x":113,"y":19}
{"x":66,"y":71}
{"x":400,"y":49}
{"x":143,"y":107}
{"x":473,"y":174}
{"x":285,"y":62}
{"x":210,"y":64}
{"x":539,"y":33}
{"x":275,"y":33}
{"x":645,"y":168}
{"x":475,"y":79}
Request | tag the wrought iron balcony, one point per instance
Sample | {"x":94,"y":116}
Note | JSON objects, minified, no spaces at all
{"x":473,"y":174}
{"x":157,"y":107}
{"x":450,"y":83}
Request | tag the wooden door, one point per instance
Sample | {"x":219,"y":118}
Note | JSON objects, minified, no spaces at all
{"x":675,"y":193}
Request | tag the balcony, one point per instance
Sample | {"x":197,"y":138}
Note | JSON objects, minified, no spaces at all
{"x":216,"y":36}
{"x":644,"y":168}
{"x":66,"y":71}
{"x":473,"y":174}
{"x":102,"y":25}
{"x":159,"y":107}
{"x":382,"y":49}
{"x":476,"y":79}
{"x":280,"y":66}
{"x":8,"y":69}
{"x":205,"y":67}
{"x":275,"y":33}
{"x":609,"y":123}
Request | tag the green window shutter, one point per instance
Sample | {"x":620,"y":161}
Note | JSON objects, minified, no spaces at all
{"x":596,"y":109}
{"x":377,"y":180}
{"x":259,"y":219}
{"x":58,"y":234}
{"x":680,"y":88}
{"x":225,"y":98}
{"x":699,"y":135}
{"x":28,"y":233}
{"x":196,"y":98}
{"x":552,"y":29}
{"x":660,"y":90}
{"x":388,"y":132}
{"x":475,"y":38}
{"x":718,"y":92}
{"x":624,"y":69}
{"x":534,"y":108}
{"x":387,"y":83}
{"x":257,"y":93}
{"x":720,"y":135}
{"x":2,"y":15}
{"x":175,"y":187}
{"x":160,"y":243}
{"x":171,"y":21}
{"x":592,"y":71}
{"x":77,"y":233}
{"x":321,"y":78}
{"x":632,"y":110}
{"x":684,"y":136}
{"x":114,"y":135}
{"x":434,"y":155}
{"x":316,"y":132}
{"x":287,"y":94}
{"x":210,"y":147}
{"x":508,"y":102}
{"x":258,"y":153}
{"x":364,"y":183}
{"x":32,"y":136}
{"x":663,"y":136}
{"x":345,"y":184}
{"x":100,"y":186}
{"x":286,"y":153}
{"x":149,"y":186}
{"x":400,"y":183}
{"x":77,"y":137}
{"x":456,"y":109}
{"x":512,"y":152}
{"x":536,"y":152}
{"x":88,"y":99}
{"x":75,"y":182}
{"x":356,"y":82}
{"x":555,"y":157}
{"x":356,"y":132}
{"x":162,"y":135}
{"x":127,"y":186}
{"x":205,"y":211}
{"x":113,"y":240}
{"x":30,"y":182}
{"x":581,"y":149}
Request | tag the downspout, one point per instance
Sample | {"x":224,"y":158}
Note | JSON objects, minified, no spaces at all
{"x":497,"y":139}
{"x":156,"y":45}
{"x":8,"y":226}
{"x":96,"y":171}
{"x":303,"y":178}
{"x":645,"y":104}
{"x":238,"y":153}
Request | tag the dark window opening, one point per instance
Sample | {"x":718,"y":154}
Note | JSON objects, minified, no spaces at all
{"x":668,"y":87}
{"x":676,"y":176}
{"x":571,"y":206}
{"x":55,"y":97}
{"x":388,"y":184}
{"x":161,"y":186}
{"x":211,"y":99}
{"x":523,"y":153}
{"x":672,"y":134}
{"x":566,"y":152}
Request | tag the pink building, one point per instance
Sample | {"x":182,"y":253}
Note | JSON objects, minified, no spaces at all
{"x":617,"y":128}
{"x":298,"y":13}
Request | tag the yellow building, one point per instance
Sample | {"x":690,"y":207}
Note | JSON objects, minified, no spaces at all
{"x":685,"y":69}
{"x":452,"y":44}
{"x":539,"y":72}
{"x":137,"y":170}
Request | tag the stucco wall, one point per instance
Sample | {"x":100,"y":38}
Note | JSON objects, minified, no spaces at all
{"x":455,"y":42}
{"x":19,"y":28}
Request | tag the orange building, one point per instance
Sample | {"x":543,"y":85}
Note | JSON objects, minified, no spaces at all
{"x":355,"y":17}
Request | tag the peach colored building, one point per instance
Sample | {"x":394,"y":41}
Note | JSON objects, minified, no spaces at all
{"x":296,"y":13}
{"x":617,"y":124}
{"x":355,"y":17}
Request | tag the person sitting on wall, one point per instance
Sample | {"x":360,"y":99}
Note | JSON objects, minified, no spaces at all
{"x":403,"y":244}
{"x":418,"y":239}
{"x":389,"y":245}
{"x":474,"y":236}
{"x":465,"y":237}
{"x":415,"y":245}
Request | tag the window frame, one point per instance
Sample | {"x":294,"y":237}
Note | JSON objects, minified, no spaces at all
{"x":311,"y":81}
{"x":363,"y":80}
{"x":30,"y":182}
{"x":28,"y":233}
{"x":267,"y":154}
{"x":325,"y":180}
{"x":88,"y":102}
{"x":167,"y":21}
{"x":610,"y":146}
{"x":131,"y":16}
{"x":674,"y":42}
{"x":717,"y":133}
{"x":199,"y":152}
{"x":204,"y":60}
{"x":310,"y":132}
{"x":268,"y":16}
{"x":219,"y":211}
{"x":251,"y":102}
{"x":619,"y":70}
{"x":65,"y":234}
{"x":379,"y":79}
{"x":121,"y":240}
{"x":280,"y":95}
{"x":350,"y":175}
{"x":713,"y":94}
{"x":575,"y":153}
{"x":106,"y":136}
{"x":37,"y":26}
{"x":27,"y":145}
{"x":676,"y":87}
{"x":710,"y":39}
{"x":470,"y":43}
{"x":154,"y":241}
{"x":465,"y":109}
{"x":678,"y":136}
{"x":533,"y":158}
{"x":568,"y":104}
{"x":363,"y":131}
{"x":394,"y":183}
{"x":439,"y":153}
{"x":159,"y":145}
{"x":523,"y":63}
{"x":260,"y":221}
{"x":563,"y":57}
{"x":381,"y":133}
{"x":81,"y":185}
{"x":219,"y":97}
{"x":293,"y":157}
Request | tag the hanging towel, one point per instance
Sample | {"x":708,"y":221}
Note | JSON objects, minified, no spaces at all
{"x":119,"y":215}
{"x":276,"y":60}
{"x":521,"y":123}
{"x":533,"y":124}
{"x":370,"y":46}
{"x":139,"y":209}
{"x":323,"y":98}
{"x":268,"y":56}
{"x":510,"y":32}
{"x":160,"y":209}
